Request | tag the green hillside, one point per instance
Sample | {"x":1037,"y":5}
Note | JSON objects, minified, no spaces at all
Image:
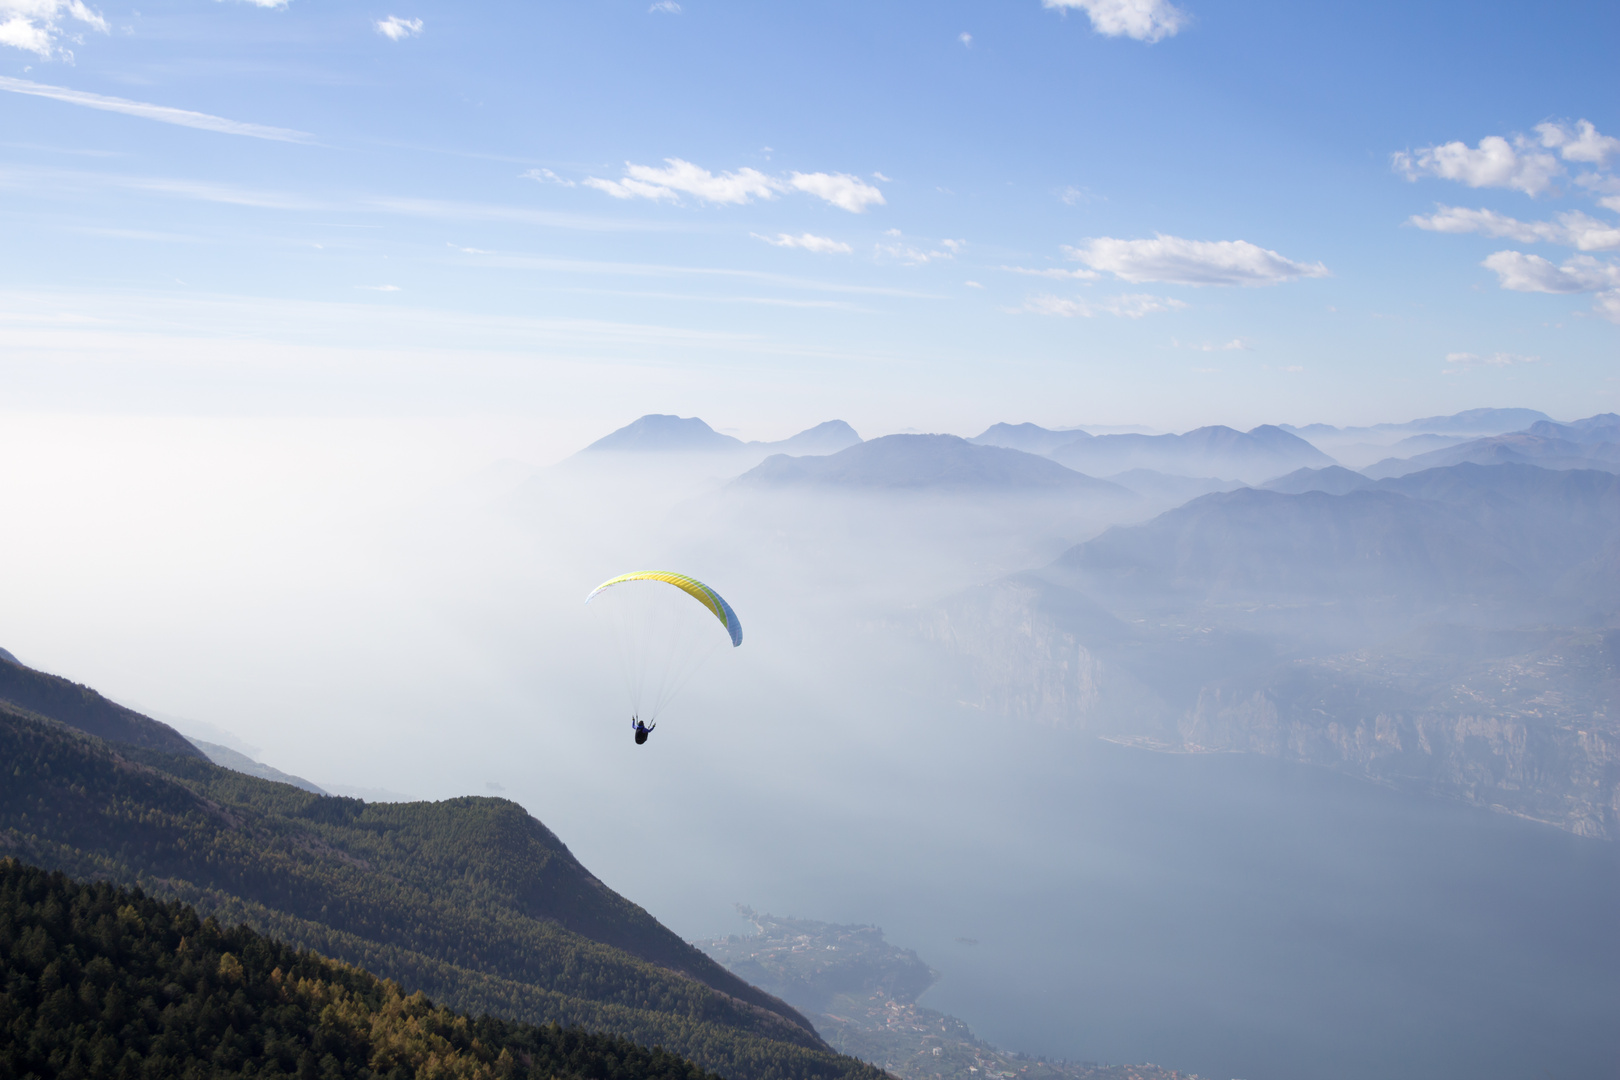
{"x":102,"y":982}
{"x":470,"y":900}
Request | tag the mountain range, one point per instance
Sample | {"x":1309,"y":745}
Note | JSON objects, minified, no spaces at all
{"x":1592,"y":443}
{"x":1163,"y":468}
{"x":657,"y":433}
{"x":934,"y":462}
{"x":1449,"y":629}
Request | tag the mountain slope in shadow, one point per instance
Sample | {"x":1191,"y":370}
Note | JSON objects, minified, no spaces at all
{"x":470,"y":900}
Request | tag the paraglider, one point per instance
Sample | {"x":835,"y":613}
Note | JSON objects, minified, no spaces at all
{"x":664,"y":637}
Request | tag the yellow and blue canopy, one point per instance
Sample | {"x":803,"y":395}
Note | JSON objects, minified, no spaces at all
{"x":689,"y":585}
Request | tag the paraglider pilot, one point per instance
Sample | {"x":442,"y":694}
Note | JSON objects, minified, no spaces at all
{"x":641,"y":730}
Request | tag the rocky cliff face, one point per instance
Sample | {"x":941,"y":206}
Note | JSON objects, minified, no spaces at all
{"x":1523,"y":722}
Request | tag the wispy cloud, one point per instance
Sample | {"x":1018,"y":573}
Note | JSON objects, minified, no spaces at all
{"x":809,"y":242}
{"x":682,"y":177}
{"x":161,"y":113}
{"x":678,"y":177}
{"x":546,"y":176}
{"x":1144,"y":20}
{"x":665,"y":7}
{"x":379,"y":288}
{"x":395,"y":28}
{"x":230,"y":194}
{"x":1235,"y":345}
{"x":36,"y":25}
{"x":517,"y":261}
{"x":1127,"y":306}
{"x":842,"y":190}
{"x":1176,"y":261}
{"x":965,"y":38}
{"x":896,"y":246}
{"x":1496,"y":360}
{"x":1078,"y":273}
{"x":1574,"y":229}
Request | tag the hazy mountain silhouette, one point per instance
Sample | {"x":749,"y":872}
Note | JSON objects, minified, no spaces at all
{"x":1507,"y":534}
{"x":226,"y":758}
{"x":1359,"y":447}
{"x":1335,"y":480}
{"x":827,"y":438}
{"x":1281,"y":623}
{"x":657,"y":433}
{"x":1593,"y":443}
{"x":1468,"y":422}
{"x":1030,"y":438}
{"x":934,"y":462}
{"x":1251,"y":456}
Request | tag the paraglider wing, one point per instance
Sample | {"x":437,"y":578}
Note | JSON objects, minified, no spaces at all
{"x":689,"y":585}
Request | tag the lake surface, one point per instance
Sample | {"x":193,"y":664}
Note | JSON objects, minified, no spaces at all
{"x":1221,"y":914}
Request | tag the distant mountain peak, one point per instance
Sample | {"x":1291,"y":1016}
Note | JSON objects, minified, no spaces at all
{"x":925,"y":462}
{"x":1030,"y":438}
{"x":661,"y":432}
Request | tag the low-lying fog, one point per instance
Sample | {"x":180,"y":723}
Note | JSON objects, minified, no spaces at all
{"x":391,"y":609}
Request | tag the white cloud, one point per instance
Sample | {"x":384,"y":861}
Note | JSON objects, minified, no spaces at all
{"x":1532,"y":273}
{"x":679,"y":178}
{"x":162,"y":113}
{"x":842,"y":190}
{"x":897,"y":247}
{"x":820,"y":244}
{"x":880,"y":176}
{"x":1496,"y":162}
{"x":1073,"y":196}
{"x":1144,"y":20}
{"x":1582,"y":144}
{"x":395,"y":28}
{"x":1501,"y":359}
{"x":379,"y":288}
{"x":1174,"y":260}
{"x":35,"y":25}
{"x":1576,"y":230}
{"x":965,"y":38}
{"x":665,"y":7}
{"x":973,"y":284}
{"x":1129,"y":306}
{"x":546,"y":176}
{"x":1235,"y":345}
{"x":1582,"y":274}
{"x":1077,"y":274}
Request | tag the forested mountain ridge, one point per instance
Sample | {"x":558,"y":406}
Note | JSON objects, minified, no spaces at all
{"x":470,"y":900}
{"x":108,"y":982}
{"x":81,"y":707}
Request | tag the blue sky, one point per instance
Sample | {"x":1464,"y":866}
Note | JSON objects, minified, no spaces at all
{"x":910,"y":216}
